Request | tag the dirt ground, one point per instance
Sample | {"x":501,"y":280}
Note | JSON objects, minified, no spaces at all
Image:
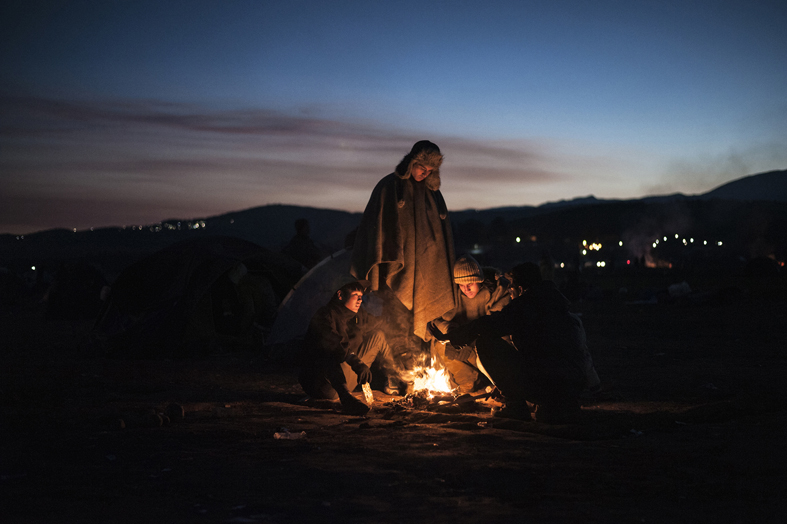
{"x":691,"y":427}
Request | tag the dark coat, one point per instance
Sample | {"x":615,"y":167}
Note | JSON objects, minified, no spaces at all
{"x":335,"y":332}
{"x":546,"y":333}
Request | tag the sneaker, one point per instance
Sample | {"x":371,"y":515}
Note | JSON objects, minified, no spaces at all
{"x":557,"y":414}
{"x":514,"y":411}
{"x":353,"y":406}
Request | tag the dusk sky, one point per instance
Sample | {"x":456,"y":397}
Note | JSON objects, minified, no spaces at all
{"x":117,"y":112}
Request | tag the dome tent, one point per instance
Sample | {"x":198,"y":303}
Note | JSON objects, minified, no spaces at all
{"x":194,"y":297}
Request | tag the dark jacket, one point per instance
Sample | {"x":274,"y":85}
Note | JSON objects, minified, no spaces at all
{"x":545,"y":332}
{"x":335,"y":332}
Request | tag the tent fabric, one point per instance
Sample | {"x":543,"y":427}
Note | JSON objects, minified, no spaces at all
{"x":189,"y":297}
{"x":311,"y":292}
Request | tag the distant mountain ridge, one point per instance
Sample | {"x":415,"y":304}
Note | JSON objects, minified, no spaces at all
{"x":770,"y":186}
{"x":272,"y":226}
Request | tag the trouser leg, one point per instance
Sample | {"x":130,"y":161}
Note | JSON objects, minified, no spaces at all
{"x":463,"y":373}
{"x":505,"y":367}
{"x":323,"y":382}
{"x":374,"y":348}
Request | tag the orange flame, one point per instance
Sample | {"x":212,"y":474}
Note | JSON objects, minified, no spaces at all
{"x":431,"y":380}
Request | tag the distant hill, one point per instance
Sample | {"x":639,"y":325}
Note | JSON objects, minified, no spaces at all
{"x":748,"y":209}
{"x":771,"y":186}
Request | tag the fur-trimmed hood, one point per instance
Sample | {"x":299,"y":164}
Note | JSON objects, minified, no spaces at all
{"x":427,"y":154}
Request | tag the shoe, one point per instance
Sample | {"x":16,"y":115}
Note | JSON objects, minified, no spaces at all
{"x":557,"y":414}
{"x":393,"y":387}
{"x":515,"y":411}
{"x":353,"y":406}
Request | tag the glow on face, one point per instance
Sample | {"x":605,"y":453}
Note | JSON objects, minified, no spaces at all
{"x":351,"y":301}
{"x":470,"y":290}
{"x":420,"y":172}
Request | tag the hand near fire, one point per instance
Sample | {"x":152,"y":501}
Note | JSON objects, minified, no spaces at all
{"x":465,"y":352}
{"x":436,"y":333}
{"x":364,"y":373}
{"x":360,"y":369}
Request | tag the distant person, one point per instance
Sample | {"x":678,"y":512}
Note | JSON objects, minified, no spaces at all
{"x":301,"y":247}
{"x":404,"y":245}
{"x":341,"y":344}
{"x":476,"y":297}
{"x":547,"y":265}
{"x":548,"y":368}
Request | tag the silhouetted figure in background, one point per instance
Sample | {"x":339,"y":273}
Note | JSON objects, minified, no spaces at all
{"x":547,"y":265}
{"x":301,"y":247}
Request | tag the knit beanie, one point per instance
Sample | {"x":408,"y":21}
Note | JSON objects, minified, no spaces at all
{"x":467,"y":270}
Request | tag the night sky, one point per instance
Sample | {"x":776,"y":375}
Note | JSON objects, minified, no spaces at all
{"x":131,"y":112}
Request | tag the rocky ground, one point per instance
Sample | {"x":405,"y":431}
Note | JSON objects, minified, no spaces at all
{"x":691,"y":427}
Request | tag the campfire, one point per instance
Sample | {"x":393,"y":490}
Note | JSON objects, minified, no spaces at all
{"x":431,"y":387}
{"x":431,"y":382}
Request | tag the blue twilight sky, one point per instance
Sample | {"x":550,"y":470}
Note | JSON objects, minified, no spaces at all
{"x":121,"y":112}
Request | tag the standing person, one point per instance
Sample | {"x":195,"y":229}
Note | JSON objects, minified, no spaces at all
{"x":548,"y":366}
{"x":301,"y":247}
{"x":476,"y":297}
{"x":404,"y":245}
{"x":341,"y":344}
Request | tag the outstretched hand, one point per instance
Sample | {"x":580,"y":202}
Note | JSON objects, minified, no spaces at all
{"x":465,"y":352}
{"x":436,"y":333}
{"x":363,"y":372}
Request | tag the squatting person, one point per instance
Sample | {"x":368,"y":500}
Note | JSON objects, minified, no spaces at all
{"x":341,"y":344}
{"x":477,"y":296}
{"x":547,"y":370}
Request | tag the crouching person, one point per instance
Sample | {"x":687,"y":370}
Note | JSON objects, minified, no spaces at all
{"x":476,"y":296}
{"x":546,"y":371}
{"x":341,"y":344}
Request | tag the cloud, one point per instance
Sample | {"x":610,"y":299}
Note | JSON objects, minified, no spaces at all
{"x":131,"y":161}
{"x":704,"y":173}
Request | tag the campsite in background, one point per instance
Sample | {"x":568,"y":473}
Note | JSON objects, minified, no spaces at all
{"x":159,"y":360}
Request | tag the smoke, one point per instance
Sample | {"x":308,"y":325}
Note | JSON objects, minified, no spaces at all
{"x":653,"y":224}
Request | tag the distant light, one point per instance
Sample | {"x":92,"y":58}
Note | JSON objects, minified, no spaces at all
{"x":704,"y":242}
{"x":628,"y":262}
{"x":665,"y":239}
{"x":232,"y":220}
{"x":719,"y":242}
{"x":620,"y":243}
{"x":676,"y":236}
{"x":654,"y":245}
{"x":75,"y":230}
{"x":685,"y":243}
{"x":33,"y":268}
{"x":584,"y":242}
{"x":584,"y":251}
{"x":562,"y":265}
{"x":601,"y":263}
{"x":518,"y":240}
{"x":691,"y":240}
